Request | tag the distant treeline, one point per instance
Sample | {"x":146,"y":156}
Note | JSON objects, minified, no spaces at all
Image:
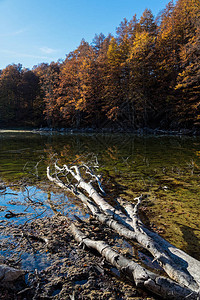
{"x":147,"y":75}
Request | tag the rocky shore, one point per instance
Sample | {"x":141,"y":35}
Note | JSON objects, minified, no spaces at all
{"x":66,"y":270}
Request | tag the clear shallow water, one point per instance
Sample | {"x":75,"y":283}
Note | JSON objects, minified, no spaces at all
{"x":23,"y":205}
{"x":165,"y":168}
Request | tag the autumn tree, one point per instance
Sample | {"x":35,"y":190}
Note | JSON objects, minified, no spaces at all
{"x":142,"y":78}
{"x":18,"y":91}
{"x":29,"y":90}
{"x":147,"y":23}
{"x":9,"y":93}
{"x":136,"y":42}
{"x":71,"y":99}
{"x":79,"y":89}
{"x":97,"y":43}
{"x":130,"y":74}
{"x":176,"y":32}
{"x":147,"y":75}
{"x":49,"y":82}
{"x":100,"y":80}
{"x":116,"y":103}
{"x":188,"y":80}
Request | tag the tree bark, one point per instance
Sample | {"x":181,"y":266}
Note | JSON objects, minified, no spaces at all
{"x":179,"y":266}
{"x":142,"y":277}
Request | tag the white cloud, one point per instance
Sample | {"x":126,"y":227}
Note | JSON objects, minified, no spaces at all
{"x":13,"y":33}
{"x":47,"y":50}
{"x":18,"y":54}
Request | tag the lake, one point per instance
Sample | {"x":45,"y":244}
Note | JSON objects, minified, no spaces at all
{"x":167,"y":168}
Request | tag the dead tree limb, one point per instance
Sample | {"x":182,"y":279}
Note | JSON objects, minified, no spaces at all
{"x":179,"y":266}
{"x":92,"y":193}
{"x":175,"y":271}
{"x":142,"y":277}
{"x":101,"y":216}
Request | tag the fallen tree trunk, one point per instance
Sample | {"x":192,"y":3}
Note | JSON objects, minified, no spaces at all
{"x":142,"y":277}
{"x":102,"y":217}
{"x":90,"y":190}
{"x":188,"y":264}
{"x":179,"y":266}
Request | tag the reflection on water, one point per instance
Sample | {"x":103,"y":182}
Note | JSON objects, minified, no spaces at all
{"x":166,"y":168}
{"x":38,"y":261}
{"x":30,"y":202}
{"x":21,"y":204}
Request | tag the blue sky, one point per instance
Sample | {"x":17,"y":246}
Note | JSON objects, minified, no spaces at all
{"x":36,"y":31}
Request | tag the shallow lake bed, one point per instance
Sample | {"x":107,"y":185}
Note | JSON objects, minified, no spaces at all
{"x":166,"y":168}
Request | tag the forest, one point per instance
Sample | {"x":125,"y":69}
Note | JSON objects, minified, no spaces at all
{"x":146,"y":76}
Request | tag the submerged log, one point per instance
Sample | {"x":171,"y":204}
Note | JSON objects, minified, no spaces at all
{"x":183,"y":269}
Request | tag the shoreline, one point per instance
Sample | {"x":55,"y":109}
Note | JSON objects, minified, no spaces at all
{"x":140,"y":132}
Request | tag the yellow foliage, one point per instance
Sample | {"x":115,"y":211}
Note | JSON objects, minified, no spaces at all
{"x":142,"y":43}
{"x":113,"y":53}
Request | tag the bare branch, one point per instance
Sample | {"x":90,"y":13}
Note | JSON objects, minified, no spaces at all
{"x":179,"y":266}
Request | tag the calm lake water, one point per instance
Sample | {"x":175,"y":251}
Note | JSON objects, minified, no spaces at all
{"x":167,"y":168}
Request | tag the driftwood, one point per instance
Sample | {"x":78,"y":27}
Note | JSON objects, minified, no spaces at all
{"x":142,"y":277}
{"x":35,"y":238}
{"x":182,"y":269}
